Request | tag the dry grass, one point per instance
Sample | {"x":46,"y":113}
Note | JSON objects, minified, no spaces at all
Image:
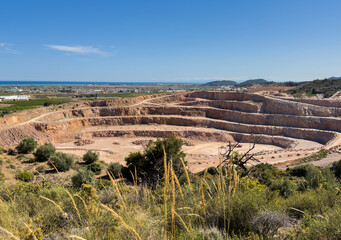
{"x":121,"y":220}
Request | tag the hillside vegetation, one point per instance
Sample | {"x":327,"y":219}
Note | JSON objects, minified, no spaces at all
{"x":220,"y":83}
{"x":226,"y":202}
{"x":250,"y":83}
{"x":327,"y":87}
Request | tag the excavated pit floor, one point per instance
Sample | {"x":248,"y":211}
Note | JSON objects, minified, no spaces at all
{"x":201,"y":152}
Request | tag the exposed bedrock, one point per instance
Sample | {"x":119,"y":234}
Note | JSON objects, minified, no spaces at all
{"x":271,"y":105}
{"x":219,"y":136}
{"x":12,"y":136}
{"x":322,"y":123}
{"x":320,"y":136}
{"x":279,"y":106}
{"x":232,"y":105}
{"x":200,"y":135}
{"x":319,"y":102}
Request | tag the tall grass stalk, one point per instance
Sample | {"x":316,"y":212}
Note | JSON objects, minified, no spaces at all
{"x":116,"y":188}
{"x":54,"y":203}
{"x":173,"y":199}
{"x":74,"y":204}
{"x":182,"y":221}
{"x":178,"y":184}
{"x":121,"y":220}
{"x":30,"y":230}
{"x":76,"y":237}
{"x":165,"y":193}
{"x":132,"y":175}
{"x":84,"y":203}
{"x":187,"y":176}
{"x":135,"y":176}
{"x":235,"y":181}
{"x":230,"y":175}
{"x":9,"y":234}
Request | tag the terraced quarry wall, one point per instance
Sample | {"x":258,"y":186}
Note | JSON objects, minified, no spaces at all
{"x":205,"y":116}
{"x":320,"y":102}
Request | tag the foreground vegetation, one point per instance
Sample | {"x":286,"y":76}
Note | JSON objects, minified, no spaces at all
{"x":155,"y":197}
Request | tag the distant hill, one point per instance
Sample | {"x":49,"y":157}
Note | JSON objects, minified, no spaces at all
{"x":334,"y":78}
{"x":220,"y":83}
{"x":251,"y":82}
{"x":327,"y":87}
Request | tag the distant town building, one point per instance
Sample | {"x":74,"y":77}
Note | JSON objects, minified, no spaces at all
{"x":14,"y":89}
{"x":14,"y":97}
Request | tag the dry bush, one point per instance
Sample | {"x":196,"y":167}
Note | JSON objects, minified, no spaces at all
{"x":267,"y":223}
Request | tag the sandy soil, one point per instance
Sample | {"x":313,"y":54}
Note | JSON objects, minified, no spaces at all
{"x":328,"y":160}
{"x":200,"y":154}
{"x":115,"y":149}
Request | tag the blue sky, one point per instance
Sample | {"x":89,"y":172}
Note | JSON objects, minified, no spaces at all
{"x":169,"y":40}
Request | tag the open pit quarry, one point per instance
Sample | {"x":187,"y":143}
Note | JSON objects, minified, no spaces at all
{"x":285,"y":129}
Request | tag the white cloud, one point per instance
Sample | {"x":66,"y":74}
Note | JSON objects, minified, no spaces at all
{"x":77,"y":49}
{"x":7,"y":48}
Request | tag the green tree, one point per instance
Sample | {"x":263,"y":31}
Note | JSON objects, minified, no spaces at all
{"x":44,"y":152}
{"x":27,"y":145}
{"x":90,"y":157}
{"x":150,"y":165}
{"x":62,"y":161}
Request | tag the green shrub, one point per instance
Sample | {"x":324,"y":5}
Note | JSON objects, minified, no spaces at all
{"x":240,"y":210}
{"x":82,"y":177}
{"x":1,"y":150}
{"x":212,"y":170}
{"x":299,"y":171}
{"x":90,"y":157}
{"x":25,"y":176}
{"x":27,"y":145}
{"x":336,"y":168}
{"x":326,"y":227}
{"x":311,"y":202}
{"x":314,"y":157}
{"x":96,"y":168}
{"x":264,"y":173}
{"x":11,"y":166}
{"x":20,"y":156}
{"x":11,"y":152}
{"x":44,"y":152}
{"x":62,"y":161}
{"x":115,"y":169}
{"x":285,"y":187}
{"x":314,"y":176}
